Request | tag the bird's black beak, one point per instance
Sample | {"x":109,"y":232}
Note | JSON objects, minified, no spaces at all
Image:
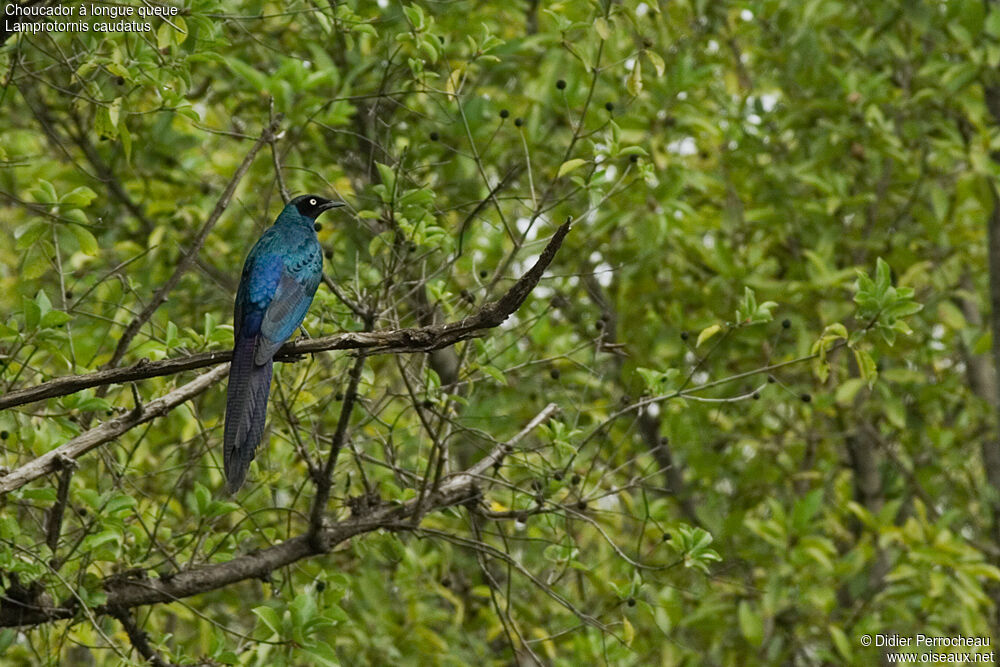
{"x":326,"y":206}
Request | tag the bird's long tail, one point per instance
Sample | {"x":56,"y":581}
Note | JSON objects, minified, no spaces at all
{"x":246,"y":411}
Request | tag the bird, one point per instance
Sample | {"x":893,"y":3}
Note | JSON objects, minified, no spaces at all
{"x":279,"y":280}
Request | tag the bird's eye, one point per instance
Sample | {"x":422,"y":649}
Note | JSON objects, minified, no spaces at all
{"x":312,"y":201}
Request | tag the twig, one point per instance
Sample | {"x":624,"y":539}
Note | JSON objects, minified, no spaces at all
{"x":139,"y":638}
{"x":325,"y":479}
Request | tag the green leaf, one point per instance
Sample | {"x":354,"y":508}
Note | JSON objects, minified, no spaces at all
{"x":569,"y":165}
{"x":751,"y":623}
{"x":79,"y":197}
{"x":87,"y":241}
{"x":657,"y":61}
{"x":634,"y":82}
{"x":602,"y":27}
{"x":707,"y":333}
{"x":866,"y":366}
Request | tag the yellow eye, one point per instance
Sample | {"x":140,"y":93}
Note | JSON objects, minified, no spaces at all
{"x":312,"y":201}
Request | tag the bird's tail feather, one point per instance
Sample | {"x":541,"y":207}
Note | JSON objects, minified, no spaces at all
{"x":246,"y":411}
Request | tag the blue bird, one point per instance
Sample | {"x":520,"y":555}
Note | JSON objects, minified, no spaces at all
{"x":280,"y":277}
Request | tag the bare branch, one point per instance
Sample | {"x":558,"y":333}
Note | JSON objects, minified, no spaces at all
{"x":55,"y":459}
{"x":138,"y":589}
{"x":396,"y":341}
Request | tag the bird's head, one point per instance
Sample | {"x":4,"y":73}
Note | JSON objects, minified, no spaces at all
{"x":310,"y":206}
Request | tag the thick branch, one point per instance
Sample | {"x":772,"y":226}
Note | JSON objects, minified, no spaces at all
{"x":126,"y":592}
{"x":417,"y":339}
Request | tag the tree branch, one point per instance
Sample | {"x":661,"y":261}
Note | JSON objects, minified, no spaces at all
{"x":139,"y":638}
{"x":57,"y":458}
{"x":395,"y":341}
{"x":138,"y":589}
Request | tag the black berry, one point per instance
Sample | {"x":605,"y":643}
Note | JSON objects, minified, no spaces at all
{"x":554,"y":373}
{"x":4,"y":435}
{"x":434,"y":136}
{"x":560,"y":84}
{"x":630,"y":602}
{"x":806,"y":398}
{"x":518,"y":122}
{"x":609,"y":106}
{"x":685,"y":335}
{"x":786,"y":324}
{"x":504,"y":113}
{"x":317,"y":226}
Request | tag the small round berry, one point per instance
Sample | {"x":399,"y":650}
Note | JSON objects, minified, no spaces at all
{"x":317,"y":226}
{"x":756,"y":396}
{"x":806,"y":398}
{"x":685,"y":335}
{"x":518,"y":122}
{"x":428,"y":403}
{"x":560,"y":84}
{"x":338,"y":396}
{"x":483,"y":273}
{"x":435,"y":136}
{"x":599,"y":325}
{"x":328,"y":254}
{"x":666,"y":537}
{"x":4,"y":435}
{"x":320,"y":586}
{"x":610,"y":106}
{"x":574,"y":480}
{"x":633,"y":158}
{"x":554,"y":373}
{"x":120,"y":81}
{"x":786,"y":324}
{"x":556,"y":476}
{"x":69,"y":295}
{"x":446,"y":582}
{"x":582,"y":505}
{"x":630,"y":602}
{"x":771,"y":379}
{"x":504,"y":113}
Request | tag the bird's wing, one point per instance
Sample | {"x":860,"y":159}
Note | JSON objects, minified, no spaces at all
{"x":283,"y":315}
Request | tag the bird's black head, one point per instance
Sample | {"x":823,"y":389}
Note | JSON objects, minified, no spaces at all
{"x":312,"y":205}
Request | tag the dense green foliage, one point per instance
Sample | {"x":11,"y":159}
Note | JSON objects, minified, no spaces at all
{"x":752,"y":183}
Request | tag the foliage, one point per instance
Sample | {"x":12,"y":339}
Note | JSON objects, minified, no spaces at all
{"x":763,"y":490}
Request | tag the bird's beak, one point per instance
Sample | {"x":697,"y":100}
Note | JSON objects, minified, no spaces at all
{"x":331,"y":204}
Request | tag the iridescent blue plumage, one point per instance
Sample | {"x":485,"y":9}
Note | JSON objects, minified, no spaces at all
{"x":280,"y":277}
